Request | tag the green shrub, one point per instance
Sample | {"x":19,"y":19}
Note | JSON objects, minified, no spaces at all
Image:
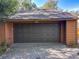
{"x":3,"y":48}
{"x":73,"y":45}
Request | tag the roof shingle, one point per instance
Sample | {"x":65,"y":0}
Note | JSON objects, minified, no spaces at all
{"x":42,"y":14}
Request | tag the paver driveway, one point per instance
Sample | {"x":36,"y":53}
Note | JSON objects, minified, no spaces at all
{"x":41,"y":51}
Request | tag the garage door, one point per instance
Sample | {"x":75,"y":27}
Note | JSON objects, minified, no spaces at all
{"x":25,"y":33}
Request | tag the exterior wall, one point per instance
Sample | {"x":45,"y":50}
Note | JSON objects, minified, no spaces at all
{"x":9,"y":33}
{"x":2,"y":32}
{"x":71,"y":32}
{"x":63,"y":31}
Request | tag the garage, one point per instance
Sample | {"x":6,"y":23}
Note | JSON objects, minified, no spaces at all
{"x":39,"y":26}
{"x":36,"y":32}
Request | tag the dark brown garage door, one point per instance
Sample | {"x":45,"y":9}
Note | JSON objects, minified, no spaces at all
{"x":25,"y":33}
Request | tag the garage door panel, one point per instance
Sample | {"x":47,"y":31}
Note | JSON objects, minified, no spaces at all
{"x":36,"y":33}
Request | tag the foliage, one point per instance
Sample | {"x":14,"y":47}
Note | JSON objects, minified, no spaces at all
{"x":8,"y":7}
{"x":73,"y":45}
{"x":34,"y":5}
{"x":50,"y":5}
{"x":28,"y":5}
{"x":3,"y":48}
